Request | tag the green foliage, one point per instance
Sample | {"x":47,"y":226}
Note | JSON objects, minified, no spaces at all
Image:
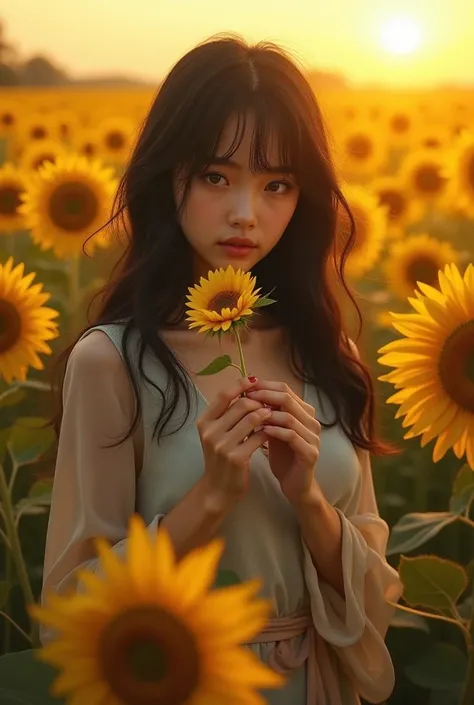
{"x":432,"y":582}
{"x":439,"y":667}
{"x":24,"y":680}
{"x":217,"y":365}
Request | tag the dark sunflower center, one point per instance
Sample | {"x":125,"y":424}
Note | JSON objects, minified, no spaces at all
{"x":10,"y":325}
{"x":42,"y":159}
{"x":88,"y":149}
{"x":147,"y":660}
{"x":7,"y":119}
{"x":422,"y":269}
{"x":400,"y":123}
{"x":38,"y":133}
{"x":431,"y":142}
{"x":148,"y":656}
{"x":360,"y":147}
{"x":224,"y":299}
{"x":428,"y":179}
{"x":470,"y":171}
{"x":395,"y":202}
{"x":9,"y":199}
{"x":73,"y":206}
{"x":456,"y":366}
{"x":115,"y":140}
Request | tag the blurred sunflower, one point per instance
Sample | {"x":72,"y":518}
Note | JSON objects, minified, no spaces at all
{"x":222,"y":301}
{"x":371,"y":227}
{"x":422,"y":174}
{"x":393,"y":195}
{"x":460,"y":172}
{"x":33,"y":127}
{"x":9,"y":116}
{"x":13,"y":183}
{"x":151,"y":631}
{"x":115,"y":137}
{"x":35,"y":154}
{"x":433,"y":137}
{"x":400,"y":126}
{"x":25,"y":323}
{"x":85,"y":142}
{"x":67,"y":202}
{"x":417,"y":259}
{"x":67,"y":124}
{"x":359,"y":152}
{"x":434,"y":364}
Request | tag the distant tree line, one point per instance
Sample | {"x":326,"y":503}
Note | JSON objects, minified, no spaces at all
{"x":41,"y":71}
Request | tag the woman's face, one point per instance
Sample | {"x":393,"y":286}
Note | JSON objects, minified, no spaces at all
{"x":229,"y":201}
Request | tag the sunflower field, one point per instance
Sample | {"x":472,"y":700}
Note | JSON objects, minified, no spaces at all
{"x":406,"y":164}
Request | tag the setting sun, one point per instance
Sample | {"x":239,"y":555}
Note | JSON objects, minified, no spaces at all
{"x":401,"y":35}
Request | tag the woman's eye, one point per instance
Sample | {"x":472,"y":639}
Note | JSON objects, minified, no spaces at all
{"x":287,"y":184}
{"x":207,"y":176}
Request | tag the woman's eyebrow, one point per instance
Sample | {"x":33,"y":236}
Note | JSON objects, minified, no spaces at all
{"x":286,"y":169}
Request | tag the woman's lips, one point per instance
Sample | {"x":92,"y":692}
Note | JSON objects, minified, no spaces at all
{"x":237,"y":250}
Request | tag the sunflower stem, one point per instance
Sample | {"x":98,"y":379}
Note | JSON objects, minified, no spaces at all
{"x":468,"y":693}
{"x":243,"y":369}
{"x":11,"y":621}
{"x":15,"y":549}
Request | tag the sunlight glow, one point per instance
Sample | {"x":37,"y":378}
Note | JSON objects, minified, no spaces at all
{"x":401,"y":35}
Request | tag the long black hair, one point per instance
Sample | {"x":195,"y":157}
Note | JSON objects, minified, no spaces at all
{"x":221,"y":77}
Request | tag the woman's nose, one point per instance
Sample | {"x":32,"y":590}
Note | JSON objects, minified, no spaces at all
{"x":243,"y":211}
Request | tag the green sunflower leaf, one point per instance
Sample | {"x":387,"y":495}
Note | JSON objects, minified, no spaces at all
{"x":432,"y":582}
{"x":264,"y":301}
{"x":415,"y":529}
{"x":29,"y":440}
{"x":217,"y":365}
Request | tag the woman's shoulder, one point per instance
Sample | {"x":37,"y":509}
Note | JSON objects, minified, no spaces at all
{"x":96,"y":350}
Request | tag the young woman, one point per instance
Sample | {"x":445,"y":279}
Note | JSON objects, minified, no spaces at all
{"x":234,"y":147}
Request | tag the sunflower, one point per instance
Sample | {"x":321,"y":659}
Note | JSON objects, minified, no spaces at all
{"x":393,"y":195}
{"x":86,"y":143}
{"x":433,"y":137}
{"x":435,"y":364}
{"x":35,"y":154}
{"x":422,"y":173}
{"x":417,"y":259}
{"x":151,"y":631}
{"x":9,"y":115}
{"x":359,"y":152}
{"x":67,"y":202}
{"x":13,"y":183}
{"x":460,"y":171}
{"x":400,"y":126}
{"x":371,"y":226}
{"x":115,"y":137}
{"x":224,"y":300}
{"x":33,"y":127}
{"x":25,"y":323}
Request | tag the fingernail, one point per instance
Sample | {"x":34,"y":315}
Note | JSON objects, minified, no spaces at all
{"x":252,"y":379}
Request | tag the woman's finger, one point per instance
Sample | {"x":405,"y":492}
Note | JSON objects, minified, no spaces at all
{"x":284,"y":419}
{"x":294,"y":440}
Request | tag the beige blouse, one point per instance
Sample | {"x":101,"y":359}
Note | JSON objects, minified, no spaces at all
{"x":96,"y":490}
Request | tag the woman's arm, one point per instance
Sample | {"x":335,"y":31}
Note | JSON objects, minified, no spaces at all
{"x":94,"y":491}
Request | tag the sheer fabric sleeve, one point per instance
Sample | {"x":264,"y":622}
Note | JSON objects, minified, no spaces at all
{"x":354,"y":627}
{"x":94,"y":487}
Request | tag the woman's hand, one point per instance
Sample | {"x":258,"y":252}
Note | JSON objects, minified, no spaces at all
{"x":226,"y":432}
{"x":293,"y":445}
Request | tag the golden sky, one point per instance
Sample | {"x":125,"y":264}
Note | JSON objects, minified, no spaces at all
{"x":144,"y":38}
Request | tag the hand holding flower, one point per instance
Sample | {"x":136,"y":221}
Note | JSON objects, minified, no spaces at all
{"x":293,"y":445}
